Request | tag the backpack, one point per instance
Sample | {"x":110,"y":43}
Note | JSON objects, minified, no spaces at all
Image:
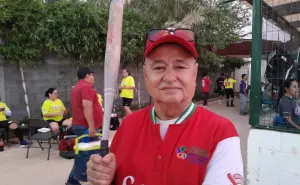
{"x":66,"y":144}
{"x":278,"y":121}
{"x":114,"y":123}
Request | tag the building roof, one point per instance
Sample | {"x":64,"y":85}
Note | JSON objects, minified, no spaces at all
{"x":285,"y":13}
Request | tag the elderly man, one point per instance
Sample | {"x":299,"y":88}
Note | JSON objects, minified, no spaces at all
{"x":173,"y":142}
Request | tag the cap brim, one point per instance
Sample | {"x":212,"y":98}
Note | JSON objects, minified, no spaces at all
{"x":172,"y":39}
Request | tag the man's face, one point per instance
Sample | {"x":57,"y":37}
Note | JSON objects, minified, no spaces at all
{"x":90,"y":78}
{"x":294,"y":89}
{"x":170,"y":74}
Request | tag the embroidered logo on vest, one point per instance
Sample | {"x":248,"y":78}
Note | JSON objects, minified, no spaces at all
{"x":194,"y":155}
{"x":126,"y":178}
{"x":235,"y":179}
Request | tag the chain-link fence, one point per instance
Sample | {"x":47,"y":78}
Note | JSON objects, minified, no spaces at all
{"x":278,"y":39}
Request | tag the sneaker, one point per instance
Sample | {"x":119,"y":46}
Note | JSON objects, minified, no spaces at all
{"x":23,"y":144}
{"x":232,"y":106}
{"x":219,"y":101}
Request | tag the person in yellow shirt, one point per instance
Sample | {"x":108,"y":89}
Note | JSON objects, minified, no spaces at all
{"x":100,"y":100}
{"x":127,"y":86}
{"x":229,"y":92}
{"x":7,"y":124}
{"x":53,"y":111}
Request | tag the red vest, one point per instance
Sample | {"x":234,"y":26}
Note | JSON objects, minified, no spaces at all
{"x":181,"y":159}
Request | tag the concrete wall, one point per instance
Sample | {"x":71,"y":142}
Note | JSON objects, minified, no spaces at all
{"x":61,"y":74}
{"x":273,"y":158}
{"x":57,"y":73}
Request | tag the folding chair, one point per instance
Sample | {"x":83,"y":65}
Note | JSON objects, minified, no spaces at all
{"x":33,"y":135}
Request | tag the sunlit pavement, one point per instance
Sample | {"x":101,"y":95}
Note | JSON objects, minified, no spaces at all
{"x":15,"y":169}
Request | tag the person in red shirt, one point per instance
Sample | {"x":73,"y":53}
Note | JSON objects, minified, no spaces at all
{"x":86,"y":109}
{"x":172,"y":142}
{"x":205,"y":88}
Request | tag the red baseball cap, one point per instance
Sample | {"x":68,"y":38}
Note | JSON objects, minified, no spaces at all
{"x":180,"y":36}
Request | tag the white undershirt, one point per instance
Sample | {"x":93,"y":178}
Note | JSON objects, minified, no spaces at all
{"x":164,"y":125}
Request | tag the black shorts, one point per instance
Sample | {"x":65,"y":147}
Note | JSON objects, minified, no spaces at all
{"x":5,"y":123}
{"x":59,"y":122}
{"x":127,"y":102}
{"x":221,"y":92}
{"x":229,"y":93}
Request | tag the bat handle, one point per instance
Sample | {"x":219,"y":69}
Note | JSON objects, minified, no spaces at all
{"x":104,"y":148}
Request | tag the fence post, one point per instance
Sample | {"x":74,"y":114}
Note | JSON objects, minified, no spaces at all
{"x":255,"y":95}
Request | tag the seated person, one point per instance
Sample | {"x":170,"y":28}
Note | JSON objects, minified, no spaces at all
{"x":7,"y":124}
{"x":288,"y":108}
{"x":53,"y":111}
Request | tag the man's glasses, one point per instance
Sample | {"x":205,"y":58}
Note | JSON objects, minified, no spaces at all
{"x":155,"y":34}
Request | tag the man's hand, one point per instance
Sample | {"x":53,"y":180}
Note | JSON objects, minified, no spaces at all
{"x":92,"y":131}
{"x":2,"y":109}
{"x":101,"y":171}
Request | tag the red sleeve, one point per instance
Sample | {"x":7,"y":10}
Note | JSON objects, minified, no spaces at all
{"x":87,"y":93}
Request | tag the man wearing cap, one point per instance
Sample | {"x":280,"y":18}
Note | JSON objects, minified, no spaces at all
{"x":172,"y":142}
{"x":86,"y":110}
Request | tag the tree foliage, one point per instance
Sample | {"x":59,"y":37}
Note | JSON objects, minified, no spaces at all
{"x":33,"y":29}
{"x":231,"y":63}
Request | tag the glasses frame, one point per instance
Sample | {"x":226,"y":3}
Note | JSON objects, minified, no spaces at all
{"x":171,"y":30}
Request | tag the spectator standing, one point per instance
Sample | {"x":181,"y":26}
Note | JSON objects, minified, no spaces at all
{"x":229,"y":92}
{"x":205,"y":88}
{"x":86,"y":110}
{"x":127,"y":86}
{"x":220,"y":87}
{"x":243,"y":93}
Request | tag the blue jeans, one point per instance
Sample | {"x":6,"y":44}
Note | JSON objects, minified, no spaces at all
{"x":78,"y":130}
{"x":243,"y":102}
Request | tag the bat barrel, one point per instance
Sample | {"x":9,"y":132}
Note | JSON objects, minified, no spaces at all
{"x":112,"y":63}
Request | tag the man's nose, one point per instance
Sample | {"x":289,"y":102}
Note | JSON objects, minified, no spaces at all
{"x":170,"y":75}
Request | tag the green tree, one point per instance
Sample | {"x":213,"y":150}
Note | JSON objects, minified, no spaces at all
{"x":33,"y":29}
{"x":215,"y":24}
{"x":76,"y":30}
{"x":21,"y":29}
